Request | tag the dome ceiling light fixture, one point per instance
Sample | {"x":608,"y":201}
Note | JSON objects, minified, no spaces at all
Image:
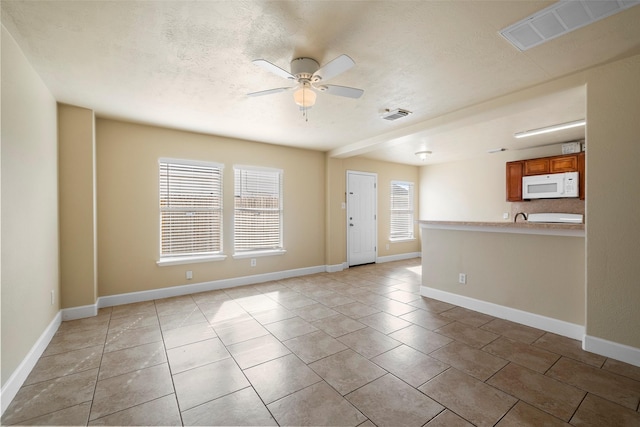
{"x":423,"y":154}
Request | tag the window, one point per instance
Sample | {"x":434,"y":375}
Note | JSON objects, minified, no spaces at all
{"x":257,"y":220}
{"x":401,"y":210}
{"x":190,"y":210}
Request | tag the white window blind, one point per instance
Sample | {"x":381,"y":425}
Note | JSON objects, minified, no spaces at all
{"x":257,"y":223}
{"x":190,"y":208}
{"x":401,"y":210}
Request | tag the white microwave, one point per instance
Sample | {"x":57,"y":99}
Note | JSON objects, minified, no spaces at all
{"x":550,"y":186}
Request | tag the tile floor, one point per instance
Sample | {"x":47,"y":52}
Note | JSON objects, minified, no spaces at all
{"x":355,"y":348}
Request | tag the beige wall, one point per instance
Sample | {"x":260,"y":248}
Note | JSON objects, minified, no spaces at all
{"x":336,"y":216}
{"x":538,"y":274}
{"x":29,"y":207}
{"x":613,"y":202}
{"x":128,"y":210}
{"x":76,"y":179}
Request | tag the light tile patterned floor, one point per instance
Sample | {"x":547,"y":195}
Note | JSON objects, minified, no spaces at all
{"x":359,"y":347}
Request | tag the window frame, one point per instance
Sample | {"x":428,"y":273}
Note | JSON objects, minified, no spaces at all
{"x":409,"y":234}
{"x":196,"y":257}
{"x":258,"y":252}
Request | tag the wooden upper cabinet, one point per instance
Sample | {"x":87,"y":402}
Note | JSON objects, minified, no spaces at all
{"x":536,"y":166}
{"x":514,"y":181}
{"x":544,"y":165}
{"x":567,"y":163}
{"x":581,"y":175}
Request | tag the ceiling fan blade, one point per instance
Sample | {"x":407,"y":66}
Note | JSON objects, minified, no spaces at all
{"x":273,"y":69}
{"x":269,"y":91}
{"x":331,"y":69}
{"x":349,"y":92}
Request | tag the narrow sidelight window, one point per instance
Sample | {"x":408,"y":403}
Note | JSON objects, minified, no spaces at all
{"x":401,"y":210}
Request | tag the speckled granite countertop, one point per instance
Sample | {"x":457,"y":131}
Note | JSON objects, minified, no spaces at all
{"x":509,"y":227}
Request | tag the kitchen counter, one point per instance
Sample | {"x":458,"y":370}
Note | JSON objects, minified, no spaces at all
{"x":552,"y":229}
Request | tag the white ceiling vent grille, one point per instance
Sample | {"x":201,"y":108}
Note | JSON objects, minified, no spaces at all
{"x":561,"y":18}
{"x":396,"y":114}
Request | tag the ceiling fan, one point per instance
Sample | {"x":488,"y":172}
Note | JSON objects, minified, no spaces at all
{"x":309,"y":78}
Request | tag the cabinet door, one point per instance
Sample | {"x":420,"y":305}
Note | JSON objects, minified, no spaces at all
{"x":564,"y":163}
{"x":581,"y":175}
{"x":536,"y":166}
{"x":514,"y":181}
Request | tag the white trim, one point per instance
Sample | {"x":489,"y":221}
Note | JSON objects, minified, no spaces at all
{"x":173,"y":291}
{"x":257,"y":254}
{"x":402,"y":239}
{"x":399,"y":257}
{"x":548,"y":324}
{"x":80,"y":312}
{"x":622,"y":352}
{"x":18,"y":377}
{"x":189,"y":260}
{"x":336,"y":267}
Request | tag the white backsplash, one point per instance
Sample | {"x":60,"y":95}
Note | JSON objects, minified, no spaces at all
{"x":548,"y":205}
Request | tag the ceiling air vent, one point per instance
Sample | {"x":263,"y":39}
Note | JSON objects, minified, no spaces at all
{"x":559,"y":19}
{"x":396,"y":114}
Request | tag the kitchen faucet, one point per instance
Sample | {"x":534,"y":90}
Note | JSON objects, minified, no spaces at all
{"x":524,"y":215}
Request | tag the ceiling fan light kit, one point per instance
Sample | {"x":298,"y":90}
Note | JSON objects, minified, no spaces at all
{"x":304,"y":96}
{"x":548,"y":129}
{"x":306,"y":72}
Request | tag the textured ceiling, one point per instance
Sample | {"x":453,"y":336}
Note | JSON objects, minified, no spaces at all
{"x":188,"y":65}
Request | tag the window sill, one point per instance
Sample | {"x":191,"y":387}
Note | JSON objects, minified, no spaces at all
{"x":257,"y":254}
{"x":190,"y":260}
{"x":412,"y":239}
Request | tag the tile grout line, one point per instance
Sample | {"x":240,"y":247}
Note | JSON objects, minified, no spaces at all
{"x":166,"y":355}
{"x":95,"y":387}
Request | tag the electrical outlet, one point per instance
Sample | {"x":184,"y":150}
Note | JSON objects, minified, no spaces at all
{"x":387,"y":246}
{"x":505,"y":215}
{"x":462,"y":278}
{"x":189,"y":275}
{"x":52,"y":296}
{"x":253,"y":262}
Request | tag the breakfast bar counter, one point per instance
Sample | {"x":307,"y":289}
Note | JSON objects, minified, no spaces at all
{"x":531,"y":273}
{"x":552,"y":229}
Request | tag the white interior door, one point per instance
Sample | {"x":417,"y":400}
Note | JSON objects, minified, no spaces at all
{"x":361,"y":217}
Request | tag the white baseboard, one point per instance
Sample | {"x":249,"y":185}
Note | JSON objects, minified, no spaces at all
{"x":548,"y":324}
{"x":81,"y":312}
{"x":15,"y":381}
{"x":174,"y":291}
{"x":337,"y":267}
{"x":399,"y":257}
{"x":624,"y":353}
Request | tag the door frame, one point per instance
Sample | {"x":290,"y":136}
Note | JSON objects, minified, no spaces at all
{"x":375,"y":207}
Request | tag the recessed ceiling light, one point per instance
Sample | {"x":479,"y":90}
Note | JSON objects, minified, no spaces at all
{"x":561,"y":18}
{"x":548,"y":129}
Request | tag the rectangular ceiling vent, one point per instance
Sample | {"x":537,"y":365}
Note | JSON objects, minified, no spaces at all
{"x":559,"y":19}
{"x":396,"y":114}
